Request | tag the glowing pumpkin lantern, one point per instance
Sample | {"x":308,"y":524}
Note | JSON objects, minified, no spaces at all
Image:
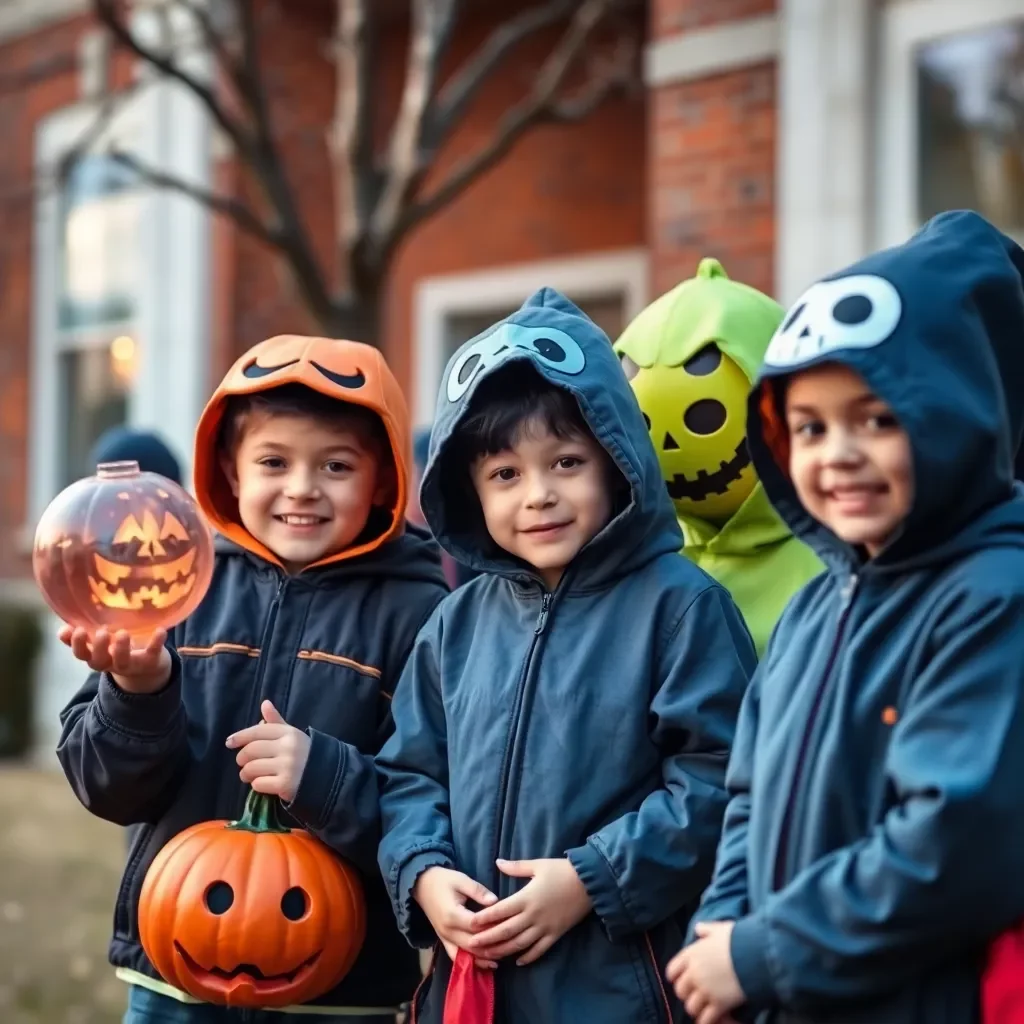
{"x":251,"y":913}
{"x":123,"y":550}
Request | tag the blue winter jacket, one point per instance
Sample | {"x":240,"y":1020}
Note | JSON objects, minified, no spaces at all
{"x":874,"y":842}
{"x":592,"y":722}
{"x":326,"y":646}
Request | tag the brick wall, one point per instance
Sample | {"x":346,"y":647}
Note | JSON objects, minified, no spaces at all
{"x":711,"y":159}
{"x":671,"y":16}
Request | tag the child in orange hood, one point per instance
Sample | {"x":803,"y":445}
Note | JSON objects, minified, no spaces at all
{"x":319,"y":589}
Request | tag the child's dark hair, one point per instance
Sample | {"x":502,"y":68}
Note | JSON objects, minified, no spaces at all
{"x":505,"y":404}
{"x":299,"y":401}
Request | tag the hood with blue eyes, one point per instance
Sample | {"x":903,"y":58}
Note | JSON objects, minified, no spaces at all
{"x":571,"y":352}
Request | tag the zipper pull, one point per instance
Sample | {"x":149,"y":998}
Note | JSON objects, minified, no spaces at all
{"x":545,"y":604}
{"x":849,"y":589}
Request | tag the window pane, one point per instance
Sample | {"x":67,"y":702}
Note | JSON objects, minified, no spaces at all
{"x":971,"y":125}
{"x":94,"y":397}
{"x":99,"y":244}
{"x":607,"y":312}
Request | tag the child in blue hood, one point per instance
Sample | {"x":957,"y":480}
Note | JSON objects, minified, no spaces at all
{"x":874,"y":840}
{"x":553,"y":793}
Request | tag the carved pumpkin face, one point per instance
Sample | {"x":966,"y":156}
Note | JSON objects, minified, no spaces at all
{"x":250,"y":913}
{"x":690,"y":357}
{"x":696,"y":414}
{"x":123,"y":550}
{"x":346,"y":370}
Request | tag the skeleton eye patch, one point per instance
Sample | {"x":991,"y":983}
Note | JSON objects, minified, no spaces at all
{"x":852,"y":312}
{"x":555,"y":349}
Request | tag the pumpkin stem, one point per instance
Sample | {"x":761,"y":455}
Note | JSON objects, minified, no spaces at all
{"x":261,"y":814}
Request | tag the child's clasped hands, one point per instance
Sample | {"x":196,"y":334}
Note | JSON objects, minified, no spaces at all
{"x":525,"y":925}
{"x":703,"y":975}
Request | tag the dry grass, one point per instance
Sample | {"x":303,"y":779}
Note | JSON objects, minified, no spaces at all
{"x":59,"y":870}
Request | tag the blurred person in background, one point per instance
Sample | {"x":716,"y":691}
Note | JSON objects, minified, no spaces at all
{"x":123,"y":444}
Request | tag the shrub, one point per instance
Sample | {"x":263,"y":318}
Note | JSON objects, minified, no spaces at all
{"x":21,"y":640}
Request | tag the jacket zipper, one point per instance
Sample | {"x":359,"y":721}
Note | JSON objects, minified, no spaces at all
{"x":781,"y":856}
{"x":261,"y":668}
{"x":517,"y":706}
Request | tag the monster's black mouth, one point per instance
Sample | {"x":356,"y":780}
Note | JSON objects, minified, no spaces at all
{"x":258,"y":978}
{"x":682,"y":488}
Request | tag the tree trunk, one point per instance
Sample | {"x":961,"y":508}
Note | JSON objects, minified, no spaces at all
{"x":355,"y":320}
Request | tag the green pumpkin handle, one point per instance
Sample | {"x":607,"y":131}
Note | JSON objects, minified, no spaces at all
{"x":262,"y":814}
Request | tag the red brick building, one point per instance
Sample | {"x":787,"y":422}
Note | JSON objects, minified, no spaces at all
{"x":786,"y":137}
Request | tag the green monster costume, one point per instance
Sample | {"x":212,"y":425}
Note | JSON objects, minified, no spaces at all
{"x":691,"y":357}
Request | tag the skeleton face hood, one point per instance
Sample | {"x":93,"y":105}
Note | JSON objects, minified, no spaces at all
{"x":936,"y":329}
{"x":571,"y":352}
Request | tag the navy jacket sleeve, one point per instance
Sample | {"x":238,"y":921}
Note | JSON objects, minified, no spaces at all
{"x":726,"y":898}
{"x":647,"y":864}
{"x":940,"y":874}
{"x":413,"y":769}
{"x":125,"y":754}
{"x":337,"y":798}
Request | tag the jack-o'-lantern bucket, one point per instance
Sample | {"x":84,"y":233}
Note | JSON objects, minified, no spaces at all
{"x":251,"y":913}
{"x":123,"y":550}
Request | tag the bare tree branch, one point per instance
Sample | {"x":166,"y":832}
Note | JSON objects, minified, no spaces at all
{"x":237,"y":211}
{"x":107,"y":15}
{"x":540,"y":106}
{"x":432,"y":23}
{"x":463,"y":87}
{"x":352,"y":135}
{"x":212,"y":37}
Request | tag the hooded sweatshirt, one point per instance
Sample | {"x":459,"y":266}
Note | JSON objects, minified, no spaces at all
{"x":326,"y":646}
{"x":592,"y":721}
{"x":752,"y":552}
{"x":872,"y":847}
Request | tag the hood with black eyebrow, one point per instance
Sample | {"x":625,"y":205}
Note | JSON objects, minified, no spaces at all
{"x":936,"y":328}
{"x":348,"y":371}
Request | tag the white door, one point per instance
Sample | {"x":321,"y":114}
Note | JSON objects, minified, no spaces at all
{"x":950,"y":114}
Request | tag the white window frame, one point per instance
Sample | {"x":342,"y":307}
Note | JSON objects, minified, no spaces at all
{"x":170,"y":132}
{"x":587,"y":276}
{"x":906,"y":25}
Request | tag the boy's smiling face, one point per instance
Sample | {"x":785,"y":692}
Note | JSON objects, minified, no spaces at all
{"x":850,"y":460}
{"x":305,"y":488}
{"x":545,"y":497}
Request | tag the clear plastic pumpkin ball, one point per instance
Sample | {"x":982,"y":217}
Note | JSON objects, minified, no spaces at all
{"x":123,"y":550}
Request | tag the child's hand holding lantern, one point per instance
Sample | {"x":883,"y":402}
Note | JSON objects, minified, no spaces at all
{"x":144,"y":669}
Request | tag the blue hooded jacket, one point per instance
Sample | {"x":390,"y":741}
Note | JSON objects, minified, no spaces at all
{"x":873,"y":845}
{"x":592,"y":721}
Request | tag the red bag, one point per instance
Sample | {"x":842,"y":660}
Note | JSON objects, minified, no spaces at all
{"x":1002,"y":984}
{"x":470,"y":995}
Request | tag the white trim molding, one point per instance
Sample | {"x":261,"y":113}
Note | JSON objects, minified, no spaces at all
{"x":622,"y":271}
{"x":825,"y":101}
{"x":19,"y":17}
{"x":712,"y":50}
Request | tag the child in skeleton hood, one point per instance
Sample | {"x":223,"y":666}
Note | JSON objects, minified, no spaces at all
{"x":872,"y":845}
